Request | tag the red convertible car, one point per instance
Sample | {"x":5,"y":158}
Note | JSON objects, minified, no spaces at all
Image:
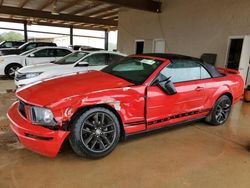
{"x":137,"y":94}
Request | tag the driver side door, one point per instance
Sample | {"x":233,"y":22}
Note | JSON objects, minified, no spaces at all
{"x":187,"y":103}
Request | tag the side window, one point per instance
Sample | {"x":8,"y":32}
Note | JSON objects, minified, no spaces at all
{"x":62,"y":52}
{"x":42,"y":44}
{"x":30,"y":46}
{"x":96,"y":59}
{"x":8,"y":45}
{"x":112,"y":58}
{"x":45,"y":53}
{"x":181,"y":71}
{"x":204,"y":73}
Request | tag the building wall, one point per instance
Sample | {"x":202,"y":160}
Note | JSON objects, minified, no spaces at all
{"x":190,"y":27}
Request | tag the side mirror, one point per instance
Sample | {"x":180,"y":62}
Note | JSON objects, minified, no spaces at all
{"x":32,"y":55}
{"x":167,"y":86}
{"x":82,"y":64}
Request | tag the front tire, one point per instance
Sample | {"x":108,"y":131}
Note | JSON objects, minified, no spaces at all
{"x":11,"y":69}
{"x":220,"y":111}
{"x":95,"y":133}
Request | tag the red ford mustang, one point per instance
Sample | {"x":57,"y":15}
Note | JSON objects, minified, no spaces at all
{"x":137,"y":94}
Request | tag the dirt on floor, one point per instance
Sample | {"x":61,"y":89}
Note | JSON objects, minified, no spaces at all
{"x":196,"y":155}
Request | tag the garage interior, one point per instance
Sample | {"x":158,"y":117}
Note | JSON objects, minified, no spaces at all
{"x":194,"y":155}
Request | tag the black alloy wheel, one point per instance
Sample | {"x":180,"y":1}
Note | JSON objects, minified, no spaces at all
{"x":95,"y":133}
{"x":98,"y":132}
{"x":220,"y":112}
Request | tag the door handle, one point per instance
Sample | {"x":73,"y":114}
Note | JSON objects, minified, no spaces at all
{"x":199,"y":88}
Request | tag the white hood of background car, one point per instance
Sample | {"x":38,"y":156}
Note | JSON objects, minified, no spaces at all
{"x":50,"y":70}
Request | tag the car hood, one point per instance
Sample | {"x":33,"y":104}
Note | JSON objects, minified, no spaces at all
{"x":40,"y":68}
{"x":55,"y":90}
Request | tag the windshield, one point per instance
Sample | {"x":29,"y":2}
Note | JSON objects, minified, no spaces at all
{"x":133,"y":69}
{"x":27,"y":52}
{"x":71,"y":58}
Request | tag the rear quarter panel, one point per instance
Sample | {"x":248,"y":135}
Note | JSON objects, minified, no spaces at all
{"x":216,"y":87}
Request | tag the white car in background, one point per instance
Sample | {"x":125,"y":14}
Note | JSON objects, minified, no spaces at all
{"x":81,"y":61}
{"x":11,"y":63}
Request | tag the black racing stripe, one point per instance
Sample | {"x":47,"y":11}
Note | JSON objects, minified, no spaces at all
{"x":178,"y":116}
{"x":134,"y":123}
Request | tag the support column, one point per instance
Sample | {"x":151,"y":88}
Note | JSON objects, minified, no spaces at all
{"x":71,"y":35}
{"x":25,"y":31}
{"x":106,"y":40}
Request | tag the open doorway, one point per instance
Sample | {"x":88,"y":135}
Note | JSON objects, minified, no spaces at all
{"x":238,"y":57}
{"x":234,"y":55}
{"x":139,"y":46}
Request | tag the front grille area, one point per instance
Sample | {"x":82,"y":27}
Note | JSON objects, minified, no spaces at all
{"x":19,"y":76}
{"x":21,"y":109}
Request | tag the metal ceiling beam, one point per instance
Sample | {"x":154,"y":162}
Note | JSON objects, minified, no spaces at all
{"x":47,"y":15}
{"x":100,"y":10}
{"x":82,"y":9}
{"x":45,"y":4}
{"x":148,"y":5}
{"x":107,"y":14}
{"x":23,"y":3}
{"x":55,"y":24}
{"x":68,"y":5}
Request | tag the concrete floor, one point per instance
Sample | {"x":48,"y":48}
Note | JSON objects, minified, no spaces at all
{"x":196,"y":155}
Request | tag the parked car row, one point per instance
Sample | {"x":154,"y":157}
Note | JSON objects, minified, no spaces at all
{"x":81,"y":61}
{"x":49,"y":57}
{"x":24,"y":47}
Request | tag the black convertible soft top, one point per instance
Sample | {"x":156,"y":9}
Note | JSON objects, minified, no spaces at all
{"x":211,"y":69}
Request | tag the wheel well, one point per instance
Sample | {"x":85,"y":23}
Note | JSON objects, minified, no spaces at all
{"x":229,"y":95}
{"x":5,"y":70}
{"x":80,"y":111}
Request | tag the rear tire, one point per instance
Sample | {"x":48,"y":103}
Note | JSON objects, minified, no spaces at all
{"x":95,"y":133}
{"x":11,"y":69}
{"x":220,"y":111}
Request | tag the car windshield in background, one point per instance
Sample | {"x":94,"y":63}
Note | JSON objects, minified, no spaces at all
{"x":27,"y":52}
{"x":133,"y":69}
{"x":71,"y":58}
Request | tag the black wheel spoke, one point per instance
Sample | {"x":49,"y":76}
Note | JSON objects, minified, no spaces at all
{"x":107,"y":132}
{"x":96,"y":118}
{"x":90,"y":124}
{"x":89,"y":139}
{"x":108,"y":125}
{"x":105,"y":139}
{"x":86,"y":131}
{"x":102,"y":146}
{"x":103,"y":118}
{"x":94,"y":143}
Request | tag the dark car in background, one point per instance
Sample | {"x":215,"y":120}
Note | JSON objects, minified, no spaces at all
{"x":84,"y":48}
{"x":26,"y":46}
{"x":11,"y":44}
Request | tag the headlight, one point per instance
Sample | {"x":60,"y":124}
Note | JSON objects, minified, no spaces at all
{"x":41,"y":116}
{"x":1,"y":59}
{"x":32,"y":74}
